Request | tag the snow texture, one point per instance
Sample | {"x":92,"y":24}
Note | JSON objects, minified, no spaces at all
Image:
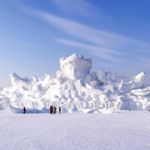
{"x":77,"y":88}
{"x":115,"y":131}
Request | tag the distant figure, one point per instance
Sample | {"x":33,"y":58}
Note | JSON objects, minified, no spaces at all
{"x":51,"y":109}
{"x":24,"y":110}
{"x":55,"y":110}
{"x":59,"y":110}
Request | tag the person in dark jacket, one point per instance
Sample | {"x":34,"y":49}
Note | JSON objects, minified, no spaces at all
{"x":51,"y":109}
{"x":55,"y":110}
{"x":24,"y":110}
{"x":59,"y":110}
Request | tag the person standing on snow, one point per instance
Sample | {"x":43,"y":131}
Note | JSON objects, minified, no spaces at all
{"x":55,"y":110}
{"x":51,"y":109}
{"x":24,"y":110}
{"x":59,"y":110}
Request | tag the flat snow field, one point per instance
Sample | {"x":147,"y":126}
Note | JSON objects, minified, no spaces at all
{"x":116,"y":131}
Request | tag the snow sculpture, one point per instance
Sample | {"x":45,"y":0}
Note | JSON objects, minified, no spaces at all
{"x":77,"y":88}
{"x":141,"y":80}
{"x":75,"y":66}
{"x":18,"y":82}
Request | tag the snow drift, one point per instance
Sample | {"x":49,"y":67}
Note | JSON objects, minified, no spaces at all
{"x":77,"y":88}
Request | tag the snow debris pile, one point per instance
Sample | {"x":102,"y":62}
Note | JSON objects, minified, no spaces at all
{"x":77,"y":88}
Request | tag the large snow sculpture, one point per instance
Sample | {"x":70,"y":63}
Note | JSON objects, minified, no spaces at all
{"x":77,"y":88}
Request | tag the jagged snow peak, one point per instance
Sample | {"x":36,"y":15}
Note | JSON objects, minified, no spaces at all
{"x":77,"y":88}
{"x":142,"y":79}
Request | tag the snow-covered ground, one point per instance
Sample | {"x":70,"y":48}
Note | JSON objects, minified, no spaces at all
{"x":77,"y":131}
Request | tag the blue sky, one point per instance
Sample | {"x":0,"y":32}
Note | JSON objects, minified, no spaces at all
{"x":34,"y":34}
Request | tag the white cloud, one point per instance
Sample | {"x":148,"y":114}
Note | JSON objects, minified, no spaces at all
{"x":88,"y":33}
{"x":80,"y":7}
{"x":81,"y":31}
{"x":103,"y":53}
{"x":106,"y":43}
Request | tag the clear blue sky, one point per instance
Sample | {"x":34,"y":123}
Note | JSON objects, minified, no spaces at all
{"x":34,"y":34}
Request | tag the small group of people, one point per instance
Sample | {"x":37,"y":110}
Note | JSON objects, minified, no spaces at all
{"x":53,"y":110}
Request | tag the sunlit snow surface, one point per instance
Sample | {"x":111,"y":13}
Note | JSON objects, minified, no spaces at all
{"x":76,"y":88}
{"x":76,"y":131}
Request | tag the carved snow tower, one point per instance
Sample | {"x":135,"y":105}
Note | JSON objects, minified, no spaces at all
{"x":75,"y":67}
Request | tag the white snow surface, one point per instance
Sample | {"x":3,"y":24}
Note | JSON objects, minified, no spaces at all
{"x":77,"y":88}
{"x":115,"y":131}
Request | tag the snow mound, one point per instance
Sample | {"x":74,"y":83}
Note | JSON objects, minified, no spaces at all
{"x":77,"y":88}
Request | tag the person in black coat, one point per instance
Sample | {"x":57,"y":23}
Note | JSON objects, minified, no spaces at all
{"x":59,"y":110}
{"x":51,"y":109}
{"x":55,"y":109}
{"x":24,"y":110}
